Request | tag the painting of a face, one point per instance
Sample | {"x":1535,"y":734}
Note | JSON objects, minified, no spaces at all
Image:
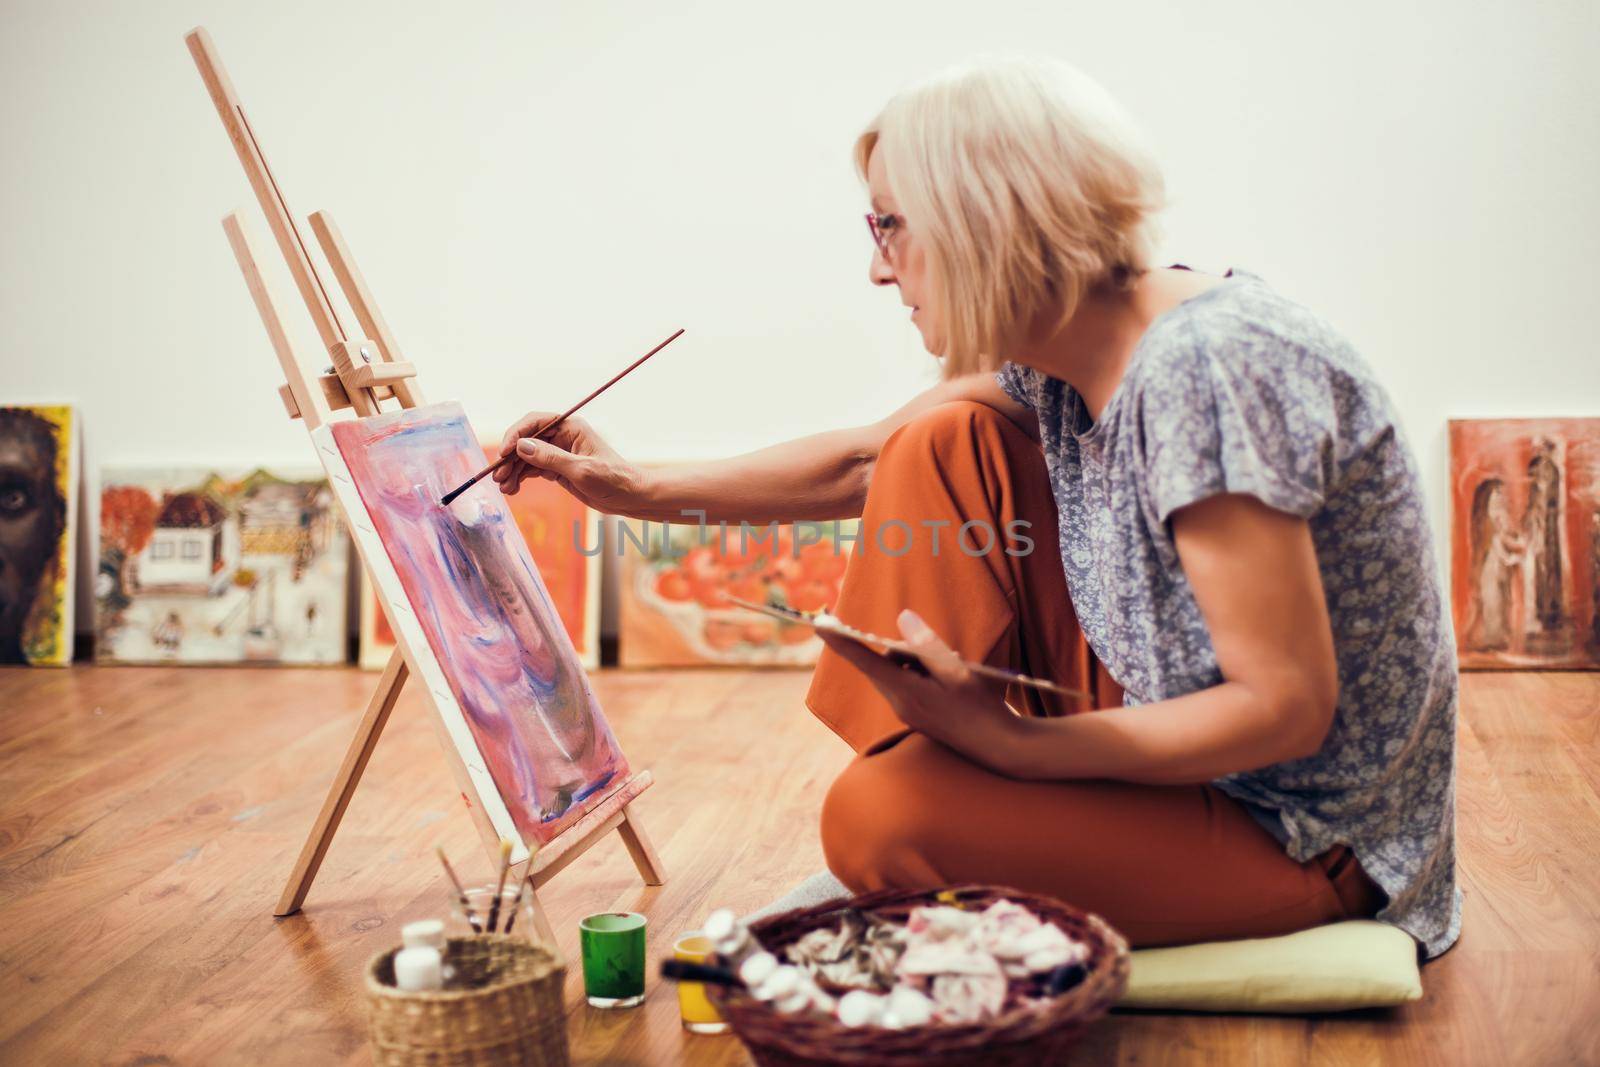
{"x":34,"y":498}
{"x":471,"y":585}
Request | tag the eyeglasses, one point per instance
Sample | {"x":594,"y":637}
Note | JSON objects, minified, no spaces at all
{"x":883,"y":228}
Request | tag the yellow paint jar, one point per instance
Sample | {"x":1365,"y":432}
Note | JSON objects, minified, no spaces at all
{"x":699,"y":1017}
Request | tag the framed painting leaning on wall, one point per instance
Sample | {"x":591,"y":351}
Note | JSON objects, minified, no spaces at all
{"x":1525,"y":542}
{"x":675,"y":580}
{"x":38,"y":517}
{"x":207,"y":567}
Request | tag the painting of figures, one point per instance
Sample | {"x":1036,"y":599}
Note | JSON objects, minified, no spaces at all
{"x":471,"y":609}
{"x":38,"y":519}
{"x":561,"y":532}
{"x":1525,"y":542}
{"x":208,"y":567}
{"x":672,"y":604}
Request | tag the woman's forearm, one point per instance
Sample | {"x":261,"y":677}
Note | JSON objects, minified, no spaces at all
{"x":1194,"y":738}
{"x":1254,"y":574}
{"x":823,"y":476}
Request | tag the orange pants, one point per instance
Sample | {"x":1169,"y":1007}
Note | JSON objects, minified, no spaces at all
{"x":1164,"y":864}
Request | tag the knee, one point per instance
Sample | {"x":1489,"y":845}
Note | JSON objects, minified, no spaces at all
{"x":956,"y":428}
{"x":878,"y":829}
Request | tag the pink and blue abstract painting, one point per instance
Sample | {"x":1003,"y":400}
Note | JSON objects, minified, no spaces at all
{"x":473,"y":587}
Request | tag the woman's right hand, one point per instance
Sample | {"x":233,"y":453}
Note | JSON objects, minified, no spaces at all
{"x":574,"y":457}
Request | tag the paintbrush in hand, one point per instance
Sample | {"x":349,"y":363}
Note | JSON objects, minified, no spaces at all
{"x":500,"y":887}
{"x":461,"y":894}
{"x":559,"y":419}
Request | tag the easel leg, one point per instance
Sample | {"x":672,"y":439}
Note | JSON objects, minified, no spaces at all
{"x":344,"y":785}
{"x":639,"y":847}
{"x":541,"y":922}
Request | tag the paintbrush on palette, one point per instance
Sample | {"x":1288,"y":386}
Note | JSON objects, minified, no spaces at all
{"x":557,"y":421}
{"x":461,"y":894}
{"x":894,"y":648}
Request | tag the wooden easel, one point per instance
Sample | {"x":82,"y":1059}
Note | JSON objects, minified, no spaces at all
{"x":366,"y":371}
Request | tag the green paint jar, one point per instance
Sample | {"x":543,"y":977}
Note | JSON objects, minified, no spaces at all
{"x":612,"y":944}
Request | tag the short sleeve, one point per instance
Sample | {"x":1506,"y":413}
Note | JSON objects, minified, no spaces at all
{"x":1014,"y":382}
{"x":1253,"y":416}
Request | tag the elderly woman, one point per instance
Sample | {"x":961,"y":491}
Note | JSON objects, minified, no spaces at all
{"x":1179,"y":492}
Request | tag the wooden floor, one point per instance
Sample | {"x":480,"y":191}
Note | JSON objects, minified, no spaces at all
{"x":149,"y":816}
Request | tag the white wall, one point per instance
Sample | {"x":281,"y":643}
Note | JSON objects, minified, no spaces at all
{"x":538,"y":191}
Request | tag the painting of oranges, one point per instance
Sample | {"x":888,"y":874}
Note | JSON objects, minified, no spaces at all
{"x":675,"y":583}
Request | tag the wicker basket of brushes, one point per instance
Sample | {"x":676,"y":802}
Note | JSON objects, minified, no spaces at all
{"x":501,"y":1007}
{"x":1029,"y":1030}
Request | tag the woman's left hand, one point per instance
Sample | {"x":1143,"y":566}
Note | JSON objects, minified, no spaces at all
{"x":949,"y":704}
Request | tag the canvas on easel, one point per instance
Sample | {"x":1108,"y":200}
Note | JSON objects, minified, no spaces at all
{"x":462,"y":580}
{"x":541,"y":771}
{"x":563,"y":537}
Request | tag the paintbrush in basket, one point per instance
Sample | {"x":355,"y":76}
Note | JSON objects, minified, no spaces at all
{"x":896,"y":649}
{"x":500,"y":887}
{"x":461,"y":894}
{"x":557,"y":421}
{"x":522,"y":888}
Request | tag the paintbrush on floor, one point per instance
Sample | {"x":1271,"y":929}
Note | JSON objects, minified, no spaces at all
{"x":559,"y":419}
{"x":896,"y":649}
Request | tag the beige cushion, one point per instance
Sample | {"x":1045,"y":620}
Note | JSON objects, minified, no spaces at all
{"x":1357,"y":964}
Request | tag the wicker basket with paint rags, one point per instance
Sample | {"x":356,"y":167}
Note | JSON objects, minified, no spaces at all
{"x":1028,"y":1022}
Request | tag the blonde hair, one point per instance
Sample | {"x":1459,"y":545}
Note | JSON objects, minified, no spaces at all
{"x":1026,"y":185}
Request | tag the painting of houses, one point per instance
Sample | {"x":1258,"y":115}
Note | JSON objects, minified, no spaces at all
{"x":193,"y":549}
{"x":288,"y":518}
{"x":208,"y":567}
